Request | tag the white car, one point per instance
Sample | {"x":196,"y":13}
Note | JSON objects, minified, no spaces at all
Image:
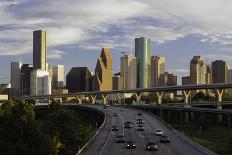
{"x":158,"y":132}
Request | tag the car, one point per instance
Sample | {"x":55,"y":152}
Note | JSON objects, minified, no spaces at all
{"x":158,"y":132}
{"x":140,"y":114}
{"x":140,"y":127}
{"x":120,"y":109}
{"x":128,"y":125}
{"x":139,"y":121}
{"x":152,"y":146}
{"x":120,"y":139}
{"x":130,"y":144}
{"x":164,"y":139}
{"x":115,"y":114}
{"x":114,"y":128}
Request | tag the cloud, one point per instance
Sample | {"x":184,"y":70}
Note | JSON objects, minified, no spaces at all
{"x":55,"y":54}
{"x":112,"y":23}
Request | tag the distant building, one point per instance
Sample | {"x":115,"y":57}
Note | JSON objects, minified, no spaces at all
{"x":117,"y":80}
{"x":230,"y":80}
{"x":143,"y":56}
{"x":157,"y":68}
{"x":79,"y":79}
{"x":16,"y":79}
{"x":197,"y":70}
{"x":39,"y":50}
{"x":186,"y":80}
{"x":40,"y":83}
{"x":219,"y":71}
{"x":168,"y":79}
{"x":103,"y":72}
{"x":59,"y":91}
{"x":128,"y":72}
{"x":58,"y":76}
{"x":25,"y":76}
{"x":208,"y":75}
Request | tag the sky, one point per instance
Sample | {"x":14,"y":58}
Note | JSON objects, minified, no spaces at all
{"x":78,"y":29}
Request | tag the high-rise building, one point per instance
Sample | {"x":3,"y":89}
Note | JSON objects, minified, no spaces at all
{"x":40,"y":83}
{"x":208,"y":75}
{"x":219,"y":71}
{"x":168,"y":79}
{"x":186,"y":80}
{"x":79,"y":79}
{"x":103,"y":72}
{"x":157,"y":68}
{"x":230,"y":80}
{"x":25,"y":76}
{"x":39,"y":50}
{"x":16,"y":79}
{"x":143,"y":56}
{"x":197,"y":70}
{"x":58,"y":76}
{"x":128,"y":72}
{"x":117,"y":81}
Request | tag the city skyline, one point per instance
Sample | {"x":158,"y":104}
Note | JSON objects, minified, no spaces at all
{"x":69,"y":42}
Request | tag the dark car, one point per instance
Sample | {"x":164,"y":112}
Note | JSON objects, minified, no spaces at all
{"x":130,"y":144}
{"x":120,"y":139}
{"x":115,"y":114}
{"x":128,"y":125}
{"x":139,"y":121}
{"x":140,"y":127}
{"x":114,"y":128}
{"x":152,"y":146}
{"x":140,"y":114}
{"x":164,"y":139}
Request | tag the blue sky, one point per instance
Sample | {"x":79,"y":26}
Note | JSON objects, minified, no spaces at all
{"x":78,"y":29}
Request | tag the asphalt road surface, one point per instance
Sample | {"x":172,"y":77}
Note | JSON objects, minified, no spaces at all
{"x":105,"y":142}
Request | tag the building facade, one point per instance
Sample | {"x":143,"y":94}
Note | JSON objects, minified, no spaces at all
{"x":25,"y":76}
{"x":168,"y":79}
{"x":157,"y":68}
{"x":58,"y":76}
{"x":117,"y":81}
{"x":219,"y":71}
{"x":16,"y":79}
{"x":79,"y":79}
{"x":197,"y":70}
{"x":102,"y":79}
{"x":186,"y":80}
{"x":143,"y":56}
{"x":39,"y":50}
{"x":128,"y":72}
{"x":208,"y":75}
{"x":40,"y":83}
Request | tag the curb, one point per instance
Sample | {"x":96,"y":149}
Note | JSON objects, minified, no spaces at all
{"x":199,"y":147}
{"x":92,"y":139}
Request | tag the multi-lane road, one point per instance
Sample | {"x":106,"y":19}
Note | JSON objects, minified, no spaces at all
{"x":105,"y":142}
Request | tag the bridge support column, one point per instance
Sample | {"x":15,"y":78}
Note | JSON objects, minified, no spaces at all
{"x":186,"y":95}
{"x":219,"y":93}
{"x":104,"y":99}
{"x":119,"y":98}
{"x":49,"y":99}
{"x":93,"y":98}
{"x":79,"y":99}
{"x":159,"y":95}
{"x":138,"y":97}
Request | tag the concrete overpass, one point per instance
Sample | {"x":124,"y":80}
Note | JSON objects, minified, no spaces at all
{"x":159,"y":91}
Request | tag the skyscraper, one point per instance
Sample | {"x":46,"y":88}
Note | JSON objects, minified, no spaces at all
{"x":157,"y":68}
{"x":142,"y":54}
{"x":25,"y":76}
{"x":117,"y":81}
{"x":219,"y":71}
{"x":39,"y":50}
{"x":58,"y":76}
{"x":208,"y":75}
{"x":16,"y":79}
{"x":128,"y":72}
{"x":40,"y":82}
{"x":103,"y":72}
{"x":197,"y":70}
{"x":79,"y":79}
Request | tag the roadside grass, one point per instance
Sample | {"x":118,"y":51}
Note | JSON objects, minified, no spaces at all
{"x":215,"y":138}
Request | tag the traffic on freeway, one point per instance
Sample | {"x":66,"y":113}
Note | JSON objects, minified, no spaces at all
{"x":129,"y":131}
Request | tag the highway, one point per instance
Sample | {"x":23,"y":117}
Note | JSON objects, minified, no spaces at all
{"x":105,"y":142}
